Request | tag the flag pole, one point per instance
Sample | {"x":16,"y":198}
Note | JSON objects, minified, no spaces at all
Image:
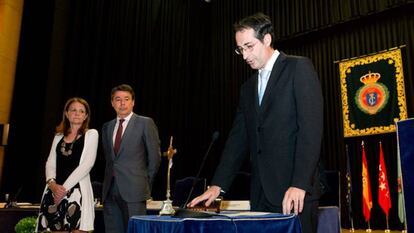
{"x":388,"y":226}
{"x":349,"y":190}
{"x":366,"y":190}
{"x":369,"y":226}
{"x":401,"y":202}
{"x":352,"y":229}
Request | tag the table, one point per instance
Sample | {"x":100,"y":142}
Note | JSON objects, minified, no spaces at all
{"x":9,"y":217}
{"x":246,"y":222}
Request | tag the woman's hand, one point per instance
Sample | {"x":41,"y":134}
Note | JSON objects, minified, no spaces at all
{"x":59,"y":192}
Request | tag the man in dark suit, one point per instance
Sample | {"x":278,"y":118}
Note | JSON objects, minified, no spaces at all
{"x":279,"y":124}
{"x":132,"y":152}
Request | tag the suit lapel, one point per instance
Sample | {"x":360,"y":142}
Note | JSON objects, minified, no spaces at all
{"x":273,"y":79}
{"x":109,"y":138}
{"x":127,"y":131}
{"x":256,"y":93}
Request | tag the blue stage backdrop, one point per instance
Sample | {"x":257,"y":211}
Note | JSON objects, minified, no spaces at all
{"x":405,"y":134}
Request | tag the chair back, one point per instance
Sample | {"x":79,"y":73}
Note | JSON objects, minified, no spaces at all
{"x":240,"y":188}
{"x":331,"y":189}
{"x":182,"y":189}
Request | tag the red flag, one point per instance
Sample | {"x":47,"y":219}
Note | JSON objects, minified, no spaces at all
{"x":384,"y":198}
{"x":366,"y":187}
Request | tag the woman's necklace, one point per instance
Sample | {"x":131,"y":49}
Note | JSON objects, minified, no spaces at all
{"x":63,"y":147}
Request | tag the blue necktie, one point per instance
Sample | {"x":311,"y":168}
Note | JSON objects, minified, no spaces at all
{"x":262,"y":84}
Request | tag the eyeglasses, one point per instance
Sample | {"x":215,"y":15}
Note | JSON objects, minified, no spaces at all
{"x":240,"y":50}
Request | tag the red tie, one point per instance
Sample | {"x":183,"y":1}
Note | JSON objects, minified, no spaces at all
{"x":118,"y":136}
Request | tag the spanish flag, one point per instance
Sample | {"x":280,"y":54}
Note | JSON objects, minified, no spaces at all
{"x":366,"y":187}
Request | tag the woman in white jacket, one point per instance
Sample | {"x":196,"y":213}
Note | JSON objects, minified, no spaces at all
{"x":67,"y":203}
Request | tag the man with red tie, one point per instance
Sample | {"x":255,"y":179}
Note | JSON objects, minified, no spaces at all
{"x":132,"y":151}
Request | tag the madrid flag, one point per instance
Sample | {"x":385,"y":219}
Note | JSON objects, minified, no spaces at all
{"x":366,"y":187}
{"x":384,"y":198}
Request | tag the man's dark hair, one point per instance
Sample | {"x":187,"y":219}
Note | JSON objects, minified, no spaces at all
{"x":123,"y":87}
{"x":260,"y":23}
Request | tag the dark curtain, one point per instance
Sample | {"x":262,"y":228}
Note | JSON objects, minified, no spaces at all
{"x":178,"y":55}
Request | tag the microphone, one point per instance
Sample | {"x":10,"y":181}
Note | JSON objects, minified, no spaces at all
{"x":183,"y":212}
{"x":13,"y":202}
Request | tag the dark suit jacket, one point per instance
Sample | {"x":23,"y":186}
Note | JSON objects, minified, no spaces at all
{"x":137,"y":162}
{"x":282,"y":136}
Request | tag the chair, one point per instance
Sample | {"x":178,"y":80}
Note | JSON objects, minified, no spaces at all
{"x":183,"y":187}
{"x":328,"y":219}
{"x":240,"y":188}
{"x":97,"y":190}
{"x":329,"y":203}
{"x":331,"y":189}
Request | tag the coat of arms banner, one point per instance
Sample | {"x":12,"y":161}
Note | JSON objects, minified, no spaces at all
{"x":373,"y":93}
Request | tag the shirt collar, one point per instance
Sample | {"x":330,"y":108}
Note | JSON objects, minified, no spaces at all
{"x":271,"y":62}
{"x":126,"y":118}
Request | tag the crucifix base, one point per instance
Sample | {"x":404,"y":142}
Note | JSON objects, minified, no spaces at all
{"x":167,"y":208}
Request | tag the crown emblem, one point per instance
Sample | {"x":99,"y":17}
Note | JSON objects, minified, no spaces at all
{"x":370,"y":78}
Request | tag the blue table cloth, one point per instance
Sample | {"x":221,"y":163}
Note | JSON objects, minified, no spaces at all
{"x":268,"y":223}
